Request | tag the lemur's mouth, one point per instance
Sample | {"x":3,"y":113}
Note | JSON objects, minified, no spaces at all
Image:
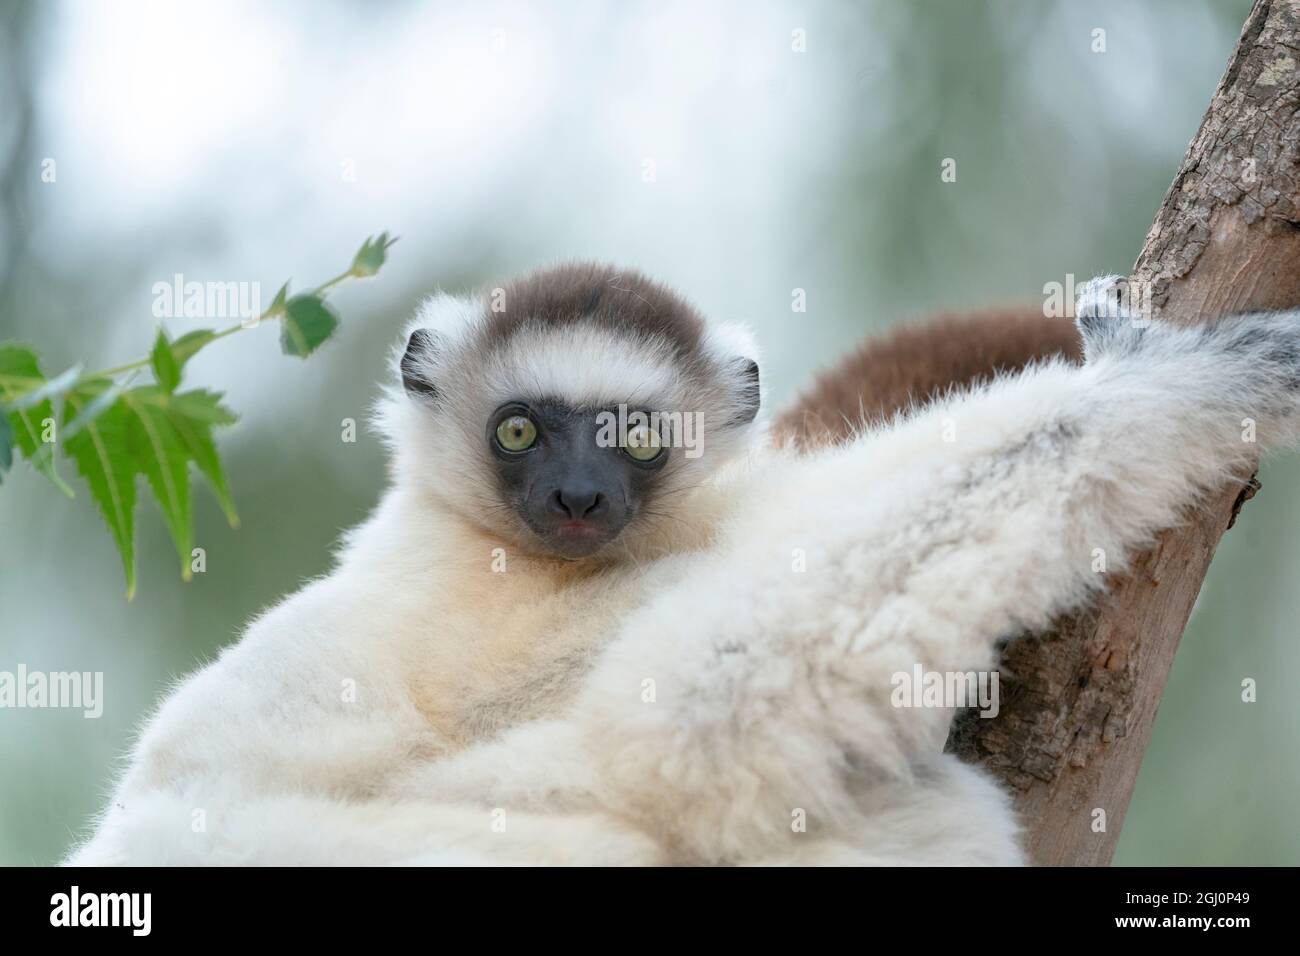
{"x":577,"y":528}
{"x":579,"y":539}
{"x":575,"y":538}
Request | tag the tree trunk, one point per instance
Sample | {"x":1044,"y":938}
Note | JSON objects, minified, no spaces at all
{"x":1078,"y":704}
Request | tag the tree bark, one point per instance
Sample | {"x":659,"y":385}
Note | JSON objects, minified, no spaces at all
{"x":1078,"y":704}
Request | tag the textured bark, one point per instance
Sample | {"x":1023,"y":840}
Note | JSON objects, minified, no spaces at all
{"x":1078,"y":704}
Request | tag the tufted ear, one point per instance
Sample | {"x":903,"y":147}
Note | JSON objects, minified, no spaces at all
{"x":734,"y":349}
{"x":417,"y":364}
{"x":749,"y":394}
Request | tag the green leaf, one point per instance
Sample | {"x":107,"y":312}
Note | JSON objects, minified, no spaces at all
{"x":20,"y":375}
{"x":108,"y":392}
{"x":6,"y":446}
{"x":307,"y":322}
{"x":161,"y":453}
{"x":166,"y":370}
{"x":277,"y":304}
{"x":193,"y":415}
{"x":147,"y":430}
{"x":371,"y":256}
{"x":183,"y":349}
{"x":53,"y":388}
{"x":103,"y":454}
{"x":203,"y":405}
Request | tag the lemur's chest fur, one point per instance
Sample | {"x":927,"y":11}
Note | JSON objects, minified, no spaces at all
{"x":510,"y":641}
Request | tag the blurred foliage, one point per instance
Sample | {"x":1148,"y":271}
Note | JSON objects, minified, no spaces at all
{"x":116,"y":433}
{"x":775,"y":171}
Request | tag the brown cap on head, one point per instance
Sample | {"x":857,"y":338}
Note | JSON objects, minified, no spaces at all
{"x":622,"y":300}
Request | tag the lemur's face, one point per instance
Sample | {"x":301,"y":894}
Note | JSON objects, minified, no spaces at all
{"x":574,"y":409}
{"x":574,"y":476}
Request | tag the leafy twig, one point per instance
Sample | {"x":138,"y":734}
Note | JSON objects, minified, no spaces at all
{"x":114,"y":431}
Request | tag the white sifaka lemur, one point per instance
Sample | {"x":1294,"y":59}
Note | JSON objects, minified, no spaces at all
{"x":602,"y":616}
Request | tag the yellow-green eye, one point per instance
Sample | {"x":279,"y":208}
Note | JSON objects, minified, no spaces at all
{"x":643,"y":443}
{"x":517,"y":433}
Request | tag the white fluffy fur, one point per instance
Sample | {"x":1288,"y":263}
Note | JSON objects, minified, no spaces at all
{"x":521,"y":698}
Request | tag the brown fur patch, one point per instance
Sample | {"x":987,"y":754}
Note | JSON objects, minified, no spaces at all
{"x":622,"y":300}
{"x":917,"y":362}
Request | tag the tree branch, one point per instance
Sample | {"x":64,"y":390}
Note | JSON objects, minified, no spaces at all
{"x":1078,"y":704}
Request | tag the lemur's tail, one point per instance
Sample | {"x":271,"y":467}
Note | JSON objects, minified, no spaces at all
{"x":915,"y":362}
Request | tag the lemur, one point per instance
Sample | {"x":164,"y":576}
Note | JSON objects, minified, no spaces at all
{"x":547,"y":645}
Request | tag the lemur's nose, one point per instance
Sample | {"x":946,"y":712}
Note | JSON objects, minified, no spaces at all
{"x":579,"y":502}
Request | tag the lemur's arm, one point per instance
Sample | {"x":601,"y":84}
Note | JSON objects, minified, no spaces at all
{"x":757,"y":689}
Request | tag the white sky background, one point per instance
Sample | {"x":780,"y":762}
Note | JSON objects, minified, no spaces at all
{"x":504,"y":130}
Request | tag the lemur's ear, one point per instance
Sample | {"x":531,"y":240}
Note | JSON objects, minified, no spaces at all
{"x":750,"y":395}
{"x":735,"y":350}
{"x":417,"y":364}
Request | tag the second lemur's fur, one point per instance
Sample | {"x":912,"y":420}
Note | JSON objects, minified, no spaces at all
{"x":916,"y":363}
{"x":547,"y":646}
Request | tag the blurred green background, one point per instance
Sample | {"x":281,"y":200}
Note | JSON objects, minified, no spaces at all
{"x":216,"y":139}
